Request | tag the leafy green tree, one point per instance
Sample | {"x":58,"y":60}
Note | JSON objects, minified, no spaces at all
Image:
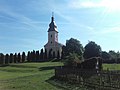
{"x":73,"y":46}
{"x":118,"y":57}
{"x":71,"y":60}
{"x":113,"y":54}
{"x":105,"y":55}
{"x":92,"y":50}
{"x":118,"y":54}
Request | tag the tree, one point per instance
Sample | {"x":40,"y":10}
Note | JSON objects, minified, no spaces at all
{"x":6,"y":58}
{"x":118,"y":54}
{"x":45,"y":56}
{"x":15,"y":58}
{"x":2,"y":59}
{"x":72,"y":46}
{"x":63,"y":51}
{"x":58,"y":55}
{"x":19,"y":57}
{"x":41,"y":55}
{"x":72,"y":60}
{"x":11,"y":58}
{"x":92,"y":50}
{"x":23,"y":57}
{"x":29,"y":56}
{"x":37,"y":56}
{"x":113,"y":54}
{"x":33,"y":58}
{"x":105,"y":55}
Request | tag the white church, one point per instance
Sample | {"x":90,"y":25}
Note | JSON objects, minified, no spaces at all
{"x":53,"y":47}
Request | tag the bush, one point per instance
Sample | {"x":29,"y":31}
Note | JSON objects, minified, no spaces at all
{"x":71,"y":60}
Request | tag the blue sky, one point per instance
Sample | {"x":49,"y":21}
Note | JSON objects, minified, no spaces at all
{"x":24,"y":23}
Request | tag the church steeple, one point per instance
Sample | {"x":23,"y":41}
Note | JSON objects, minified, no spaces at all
{"x":52,"y":25}
{"x":53,"y":47}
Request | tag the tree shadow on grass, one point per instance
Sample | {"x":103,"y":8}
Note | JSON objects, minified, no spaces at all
{"x":17,"y":65}
{"x":4,"y":65}
{"x":56,"y":83}
{"x":17,"y":71}
{"x":22,"y":66}
{"x":65,"y":85}
{"x":46,"y":68}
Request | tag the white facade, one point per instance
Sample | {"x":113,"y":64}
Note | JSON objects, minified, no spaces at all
{"x":53,"y":47}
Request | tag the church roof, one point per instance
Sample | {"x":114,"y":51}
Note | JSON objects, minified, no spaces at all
{"x":57,"y":44}
{"x":52,"y":25}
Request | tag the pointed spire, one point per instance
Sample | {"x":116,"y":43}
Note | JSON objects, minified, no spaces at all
{"x":52,"y":16}
{"x":52,"y":25}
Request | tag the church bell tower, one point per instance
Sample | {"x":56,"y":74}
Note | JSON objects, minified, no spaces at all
{"x":53,"y":47}
{"x":52,"y":32}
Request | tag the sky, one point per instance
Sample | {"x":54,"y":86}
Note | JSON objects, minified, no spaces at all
{"x":24,"y":23}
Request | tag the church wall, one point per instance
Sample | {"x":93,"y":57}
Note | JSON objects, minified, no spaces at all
{"x":52,"y":37}
{"x":54,"y":49}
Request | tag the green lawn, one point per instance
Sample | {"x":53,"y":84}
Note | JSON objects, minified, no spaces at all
{"x":111,"y":66}
{"x":34,"y":76}
{"x":28,"y":76}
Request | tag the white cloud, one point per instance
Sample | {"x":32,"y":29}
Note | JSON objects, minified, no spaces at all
{"x":112,"y":5}
{"x":83,"y":4}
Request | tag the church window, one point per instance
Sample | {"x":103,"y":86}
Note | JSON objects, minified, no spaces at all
{"x":51,"y":35}
{"x":51,"y":42}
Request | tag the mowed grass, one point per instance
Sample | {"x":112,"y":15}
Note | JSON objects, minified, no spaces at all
{"x":28,"y":76}
{"x":111,"y":66}
{"x":34,"y":76}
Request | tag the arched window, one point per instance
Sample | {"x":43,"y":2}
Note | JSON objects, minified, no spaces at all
{"x":50,"y":53}
{"x":53,"y":54}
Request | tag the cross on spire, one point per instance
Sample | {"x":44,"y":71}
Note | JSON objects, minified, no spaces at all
{"x":52,"y":16}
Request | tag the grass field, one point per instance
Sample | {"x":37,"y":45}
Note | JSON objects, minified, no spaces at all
{"x":111,"y":66}
{"x":28,"y":76}
{"x":33,"y":76}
